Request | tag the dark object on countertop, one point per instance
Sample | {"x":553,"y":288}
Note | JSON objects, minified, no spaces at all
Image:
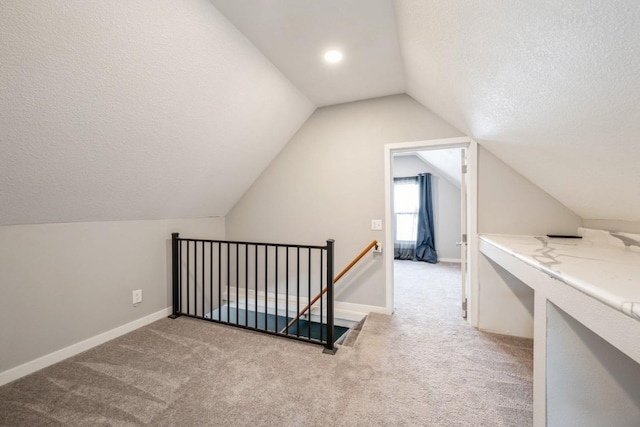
{"x":562,"y":236}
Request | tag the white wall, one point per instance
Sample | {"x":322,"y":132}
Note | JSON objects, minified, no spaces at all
{"x":446,"y":205}
{"x":589,"y":382}
{"x":612,"y":225}
{"x":328,"y":182}
{"x":510,"y":204}
{"x":506,"y":304}
{"x":64,"y":283}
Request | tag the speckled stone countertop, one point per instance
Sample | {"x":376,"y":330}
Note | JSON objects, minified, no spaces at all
{"x":604,"y":265}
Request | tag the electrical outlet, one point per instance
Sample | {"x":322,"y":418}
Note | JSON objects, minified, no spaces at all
{"x":137,"y":296}
{"x":376,"y":224}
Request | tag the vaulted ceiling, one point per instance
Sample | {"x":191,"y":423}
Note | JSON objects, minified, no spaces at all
{"x":133,"y":110}
{"x":295,"y":34}
{"x":125,"y":109}
{"x":550,"y":87}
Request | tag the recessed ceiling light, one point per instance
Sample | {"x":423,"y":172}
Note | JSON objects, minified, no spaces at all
{"x":333,"y":56}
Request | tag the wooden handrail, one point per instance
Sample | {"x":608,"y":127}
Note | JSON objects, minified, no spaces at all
{"x":335,"y":279}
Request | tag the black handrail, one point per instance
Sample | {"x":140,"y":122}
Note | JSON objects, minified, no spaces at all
{"x":205,"y":272}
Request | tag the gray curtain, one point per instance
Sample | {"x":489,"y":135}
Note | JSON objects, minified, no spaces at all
{"x":403,"y":249}
{"x":425,"y":243}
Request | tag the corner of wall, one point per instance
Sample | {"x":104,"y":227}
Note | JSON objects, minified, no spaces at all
{"x":508,"y":203}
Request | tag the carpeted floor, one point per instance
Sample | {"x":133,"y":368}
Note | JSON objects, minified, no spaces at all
{"x":422,"y":366}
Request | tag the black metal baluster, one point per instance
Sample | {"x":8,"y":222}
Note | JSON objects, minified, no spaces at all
{"x":298,"y":292}
{"x":180,"y":275}
{"x":276,"y":278}
{"x":246,"y":285}
{"x":219,"y":281}
{"x":203,"y":279}
{"x":211,"y":280}
{"x":255,"y":296}
{"x":228,"y":282}
{"x":188,"y":281}
{"x":286,"y":313}
{"x":237,"y":283}
{"x":266,"y":286}
{"x":195,"y":278}
{"x":321,"y":317}
{"x":309,"y":295}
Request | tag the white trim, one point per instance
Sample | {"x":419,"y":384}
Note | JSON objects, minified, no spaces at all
{"x":472,"y":202}
{"x":64,"y":353}
{"x":454,"y":260}
{"x":472,"y":233}
{"x":270,"y":298}
{"x":343,"y":311}
{"x":398,"y":147}
{"x":388,"y":232}
{"x":355,"y":312}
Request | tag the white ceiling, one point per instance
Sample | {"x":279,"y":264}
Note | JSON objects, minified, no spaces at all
{"x":295,"y":34}
{"x":122,"y":110}
{"x":125,"y":110}
{"x":550,"y":87}
{"x":446,"y":161}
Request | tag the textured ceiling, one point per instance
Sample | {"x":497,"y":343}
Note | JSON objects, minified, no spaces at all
{"x":136,"y":110}
{"x":133,"y":110}
{"x":550,"y":87}
{"x":294,"y":35}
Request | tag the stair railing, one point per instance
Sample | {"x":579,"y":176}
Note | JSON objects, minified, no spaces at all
{"x":240,"y":284}
{"x":329,"y":289}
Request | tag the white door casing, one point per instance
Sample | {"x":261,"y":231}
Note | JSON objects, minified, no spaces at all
{"x":464,"y":247}
{"x":470,"y":285}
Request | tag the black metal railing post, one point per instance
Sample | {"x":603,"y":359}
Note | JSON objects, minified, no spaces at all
{"x":329,"y":348}
{"x":175,"y":261}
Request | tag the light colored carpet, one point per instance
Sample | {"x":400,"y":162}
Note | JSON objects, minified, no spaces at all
{"x":423,"y":366}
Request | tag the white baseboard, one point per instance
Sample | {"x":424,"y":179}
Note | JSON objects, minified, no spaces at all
{"x":59,"y":355}
{"x":456,"y":260}
{"x":355,"y":312}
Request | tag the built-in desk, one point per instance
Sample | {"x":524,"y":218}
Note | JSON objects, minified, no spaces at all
{"x":586,"y":323}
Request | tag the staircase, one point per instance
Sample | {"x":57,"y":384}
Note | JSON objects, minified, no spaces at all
{"x":260,"y":286}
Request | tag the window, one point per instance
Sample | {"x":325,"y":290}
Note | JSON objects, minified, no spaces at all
{"x":405,"y":206}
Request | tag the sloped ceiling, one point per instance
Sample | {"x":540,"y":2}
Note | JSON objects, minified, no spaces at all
{"x":143,"y":110}
{"x":133,"y":110}
{"x":447,"y":162}
{"x":550,"y":87}
{"x":295,"y":34}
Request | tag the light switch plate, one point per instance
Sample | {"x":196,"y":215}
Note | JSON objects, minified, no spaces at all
{"x":376,"y":224}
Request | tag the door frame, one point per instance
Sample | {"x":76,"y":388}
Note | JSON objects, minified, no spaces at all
{"x":472,"y":214}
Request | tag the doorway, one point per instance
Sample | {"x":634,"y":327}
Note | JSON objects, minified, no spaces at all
{"x":449,"y":152}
